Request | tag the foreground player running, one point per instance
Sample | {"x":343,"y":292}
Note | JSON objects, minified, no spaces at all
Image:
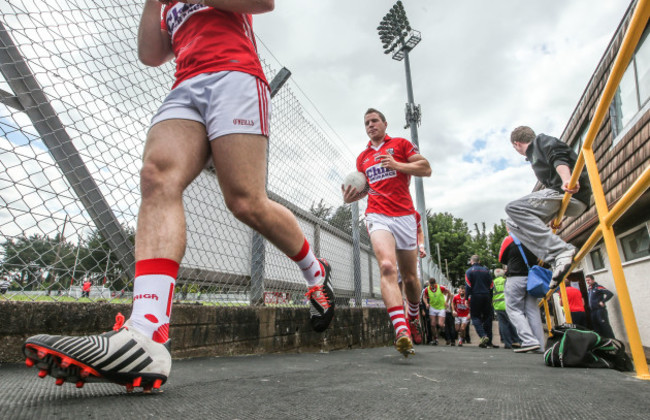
{"x":219,"y":107}
{"x":388,"y":164}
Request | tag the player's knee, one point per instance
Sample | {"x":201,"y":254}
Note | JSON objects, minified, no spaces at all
{"x":387,"y":268}
{"x":245,"y":210}
{"x":151,"y":181}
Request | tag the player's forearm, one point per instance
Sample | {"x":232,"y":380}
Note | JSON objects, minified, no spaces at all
{"x":154,"y":47}
{"x":237,"y":6}
{"x":416,"y":168}
{"x":564,"y":171}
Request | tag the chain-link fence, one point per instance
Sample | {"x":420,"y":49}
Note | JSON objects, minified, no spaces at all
{"x":75,"y":104}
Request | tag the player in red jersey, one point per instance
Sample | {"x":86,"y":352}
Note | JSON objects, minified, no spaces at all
{"x":388,"y":164}
{"x":218,"y":109}
{"x":460,"y":309}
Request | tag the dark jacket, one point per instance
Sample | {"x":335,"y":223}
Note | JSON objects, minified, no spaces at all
{"x":546,"y":153}
{"x":478,"y":280}
{"x":597,"y":294}
{"x":510,"y":255}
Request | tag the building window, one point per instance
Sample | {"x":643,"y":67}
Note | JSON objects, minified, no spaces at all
{"x":634,"y":90}
{"x":636,"y":245}
{"x":581,"y":139}
{"x":597,"y":259}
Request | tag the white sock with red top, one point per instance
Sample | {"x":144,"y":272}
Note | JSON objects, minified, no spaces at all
{"x":312,"y":270}
{"x":396,"y":314}
{"x":153,"y":290}
{"x":413,"y":310}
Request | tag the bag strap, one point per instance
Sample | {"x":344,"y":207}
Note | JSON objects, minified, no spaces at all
{"x":518,"y":243}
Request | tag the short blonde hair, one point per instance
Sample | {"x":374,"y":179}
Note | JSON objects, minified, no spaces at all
{"x":499,"y":272}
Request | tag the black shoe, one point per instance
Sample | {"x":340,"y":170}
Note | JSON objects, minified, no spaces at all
{"x":484,"y":342}
{"x":492,"y":346}
{"x":321,"y":300}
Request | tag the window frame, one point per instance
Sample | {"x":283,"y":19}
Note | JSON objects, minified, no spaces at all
{"x":618,"y":129}
{"x":619,"y":240}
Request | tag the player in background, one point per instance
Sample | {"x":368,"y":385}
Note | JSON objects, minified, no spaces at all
{"x":388,"y":163}
{"x":219,"y":109}
{"x":460,"y":309}
{"x":435,"y":297}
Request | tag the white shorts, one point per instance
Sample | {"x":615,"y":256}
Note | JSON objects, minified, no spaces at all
{"x":461,"y":320}
{"x":403,"y":228}
{"x":226,"y":102}
{"x":437,"y":312}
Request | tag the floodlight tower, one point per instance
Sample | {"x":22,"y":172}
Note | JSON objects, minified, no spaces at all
{"x":399,"y":38}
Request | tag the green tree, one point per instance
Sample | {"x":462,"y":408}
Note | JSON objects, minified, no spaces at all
{"x":453,"y":236}
{"x":499,"y":231}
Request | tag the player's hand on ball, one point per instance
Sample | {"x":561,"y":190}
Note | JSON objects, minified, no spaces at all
{"x":350,"y":194}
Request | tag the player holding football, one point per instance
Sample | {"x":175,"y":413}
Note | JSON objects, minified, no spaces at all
{"x":388,"y":164}
{"x":218,"y":108}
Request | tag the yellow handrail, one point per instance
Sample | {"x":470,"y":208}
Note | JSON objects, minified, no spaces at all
{"x":606,"y":217}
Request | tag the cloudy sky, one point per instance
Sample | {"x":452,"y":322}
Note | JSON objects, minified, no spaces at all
{"x":482,"y":68}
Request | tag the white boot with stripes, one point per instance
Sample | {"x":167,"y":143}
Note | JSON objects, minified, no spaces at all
{"x":123,"y":356}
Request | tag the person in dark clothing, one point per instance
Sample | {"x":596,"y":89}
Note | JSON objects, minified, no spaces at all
{"x":598,"y":296}
{"x":528,"y":217}
{"x":522,"y":308}
{"x":479,"y":288}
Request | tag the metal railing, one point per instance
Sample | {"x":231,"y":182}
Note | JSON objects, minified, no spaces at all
{"x":608,"y":217}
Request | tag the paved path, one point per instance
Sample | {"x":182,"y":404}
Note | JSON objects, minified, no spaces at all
{"x":438,"y":382}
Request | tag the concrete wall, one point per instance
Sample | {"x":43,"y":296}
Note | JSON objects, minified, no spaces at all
{"x":198,"y":330}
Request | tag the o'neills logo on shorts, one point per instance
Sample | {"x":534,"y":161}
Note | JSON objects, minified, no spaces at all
{"x":238,"y":121}
{"x":146,"y":296}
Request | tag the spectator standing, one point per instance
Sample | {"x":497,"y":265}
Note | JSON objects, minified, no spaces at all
{"x":85,"y":288}
{"x":598,"y":296}
{"x":576,"y":304}
{"x":507,"y":331}
{"x":522,"y":308}
{"x":479,"y":293}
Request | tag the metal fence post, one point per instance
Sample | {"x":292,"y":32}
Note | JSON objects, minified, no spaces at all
{"x":356,"y":253}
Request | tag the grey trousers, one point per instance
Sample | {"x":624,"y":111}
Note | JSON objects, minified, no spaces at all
{"x":523,"y":312}
{"x":528,"y":219}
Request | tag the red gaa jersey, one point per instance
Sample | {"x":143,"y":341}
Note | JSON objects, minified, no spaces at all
{"x":207,"y":40}
{"x":462,"y":307}
{"x":389,"y":189}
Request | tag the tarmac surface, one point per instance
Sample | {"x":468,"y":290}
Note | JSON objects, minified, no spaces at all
{"x":378,"y":383}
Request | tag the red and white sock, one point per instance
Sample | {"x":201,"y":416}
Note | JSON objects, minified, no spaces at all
{"x":312,"y":270}
{"x":396,"y":314}
{"x":413,"y":310}
{"x":153,"y":290}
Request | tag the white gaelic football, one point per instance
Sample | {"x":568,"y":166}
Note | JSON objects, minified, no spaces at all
{"x":357,"y":180}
